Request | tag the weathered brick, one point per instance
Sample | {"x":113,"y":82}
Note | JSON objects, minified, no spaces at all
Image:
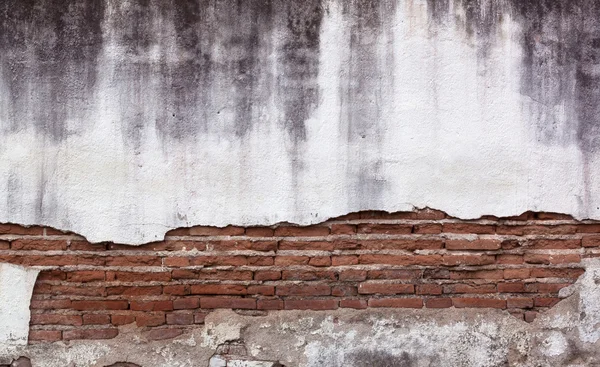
{"x":96,"y":319}
{"x":45,"y":335}
{"x":218,"y":289}
{"x":162,"y":334}
{"x":438,"y":303}
{"x":27,"y":244}
{"x":150,"y":319}
{"x":269,"y":304}
{"x":519,"y":303}
{"x":306,"y":245}
{"x":56,"y":319}
{"x":394,"y":274}
{"x":429,"y":289}
{"x":267,"y":275}
{"x":216,"y":231}
{"x":303,"y":290}
{"x":86,"y":276}
{"x":320,"y":261}
{"x":384,"y":288}
{"x":186,"y":303}
{"x":164,"y":305}
{"x":291,"y":260}
{"x":234,"y":303}
{"x":385,"y":228}
{"x":292,"y":231}
{"x":344,"y":260}
{"x":469,"y":288}
{"x":186,"y":318}
{"x":99,"y":305}
{"x":466,"y":228}
{"x":307,"y":275}
{"x":478,"y":303}
{"x":480,"y":244}
{"x":122,"y":319}
{"x":353,"y":303}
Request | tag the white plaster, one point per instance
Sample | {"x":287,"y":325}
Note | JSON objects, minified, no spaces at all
{"x":16,"y":287}
{"x":453,"y":134}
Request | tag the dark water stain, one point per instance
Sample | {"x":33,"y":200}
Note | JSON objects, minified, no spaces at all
{"x":561,"y":60}
{"x":361,"y":92}
{"x":49,"y":51}
{"x":297,"y":86}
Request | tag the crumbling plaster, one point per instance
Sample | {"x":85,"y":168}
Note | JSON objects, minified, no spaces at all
{"x":566,"y":335}
{"x":120,"y":120}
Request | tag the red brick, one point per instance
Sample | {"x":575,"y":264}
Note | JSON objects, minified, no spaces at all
{"x":56,"y":319}
{"x":90,"y":334}
{"x":165,"y":305}
{"x":211,"y":274}
{"x":511,"y":287}
{"x":521,"y":230}
{"x":269,"y":304}
{"x":50,"y":304}
{"x":122,"y":319}
{"x":233,"y":303}
{"x":163,"y":334}
{"x":267,"y":275}
{"x":259,"y":232}
{"x":291,"y":260}
{"x":546,"y":301}
{"x":589,"y":228}
{"x":394,"y":274}
{"x":429,"y":228}
{"x":216,"y":231}
{"x":39,"y":245}
{"x":4,"y":245}
{"x":438,"y":303}
{"x":187,"y":303}
{"x":545,"y":287}
{"x":176,"y":290}
{"x":396,"y":302}
{"x":77,"y":291}
{"x":311,"y":304}
{"x":307,"y":275}
{"x":478,"y":303}
{"x":385,"y":228}
{"x":469,"y":228}
{"x":199,"y":317}
{"x":320,"y":261}
{"x":353,"y":303}
{"x":86,"y":276}
{"x":554,"y":244}
{"x":45,"y":335}
{"x":344,"y":260}
{"x":477,"y":274}
{"x":509,"y":259}
{"x":306,"y":245}
{"x":292,"y":231}
{"x":139,"y":260}
{"x":96,"y":319}
{"x":342,"y":229}
{"x":384,"y":288}
{"x":402,"y":244}
{"x":265,"y":290}
{"x":16,"y":229}
{"x":470,"y":288}
{"x":99,"y":305}
{"x":519,"y":303}
{"x":517,"y":273}
{"x":432,"y":289}
{"x":186,"y":318}
{"x":556,"y":273}
{"x":124,"y":276}
{"x":590,"y":241}
{"x":218,"y":289}
{"x":150,"y":319}
{"x":52,"y":275}
{"x":480,"y":244}
{"x":242,"y":245}
{"x":343,"y":290}
{"x":430,"y":214}
{"x":303,"y":290}
{"x":177,"y":262}
{"x":219,"y":260}
{"x":261,"y":261}
{"x":86,"y":246}
{"x":134,"y":291}
{"x":352,"y":275}
{"x":455,"y":260}
{"x":401,"y":259}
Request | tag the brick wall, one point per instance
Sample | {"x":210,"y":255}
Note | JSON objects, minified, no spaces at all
{"x":420,"y":259}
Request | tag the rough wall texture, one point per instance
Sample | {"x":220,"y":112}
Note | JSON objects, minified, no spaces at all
{"x":363,"y":260}
{"x":371,"y":288}
{"x":119,"y":119}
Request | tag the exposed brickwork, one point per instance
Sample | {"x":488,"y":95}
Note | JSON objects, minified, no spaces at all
{"x":420,"y":259}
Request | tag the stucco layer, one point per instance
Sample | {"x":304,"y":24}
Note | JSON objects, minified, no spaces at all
{"x":120,"y":120}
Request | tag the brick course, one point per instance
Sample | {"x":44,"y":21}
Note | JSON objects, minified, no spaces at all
{"x":420,"y":259}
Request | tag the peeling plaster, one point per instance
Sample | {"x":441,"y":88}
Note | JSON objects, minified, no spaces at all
{"x":121,"y":120}
{"x":16,"y":288}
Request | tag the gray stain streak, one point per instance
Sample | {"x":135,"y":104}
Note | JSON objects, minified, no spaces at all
{"x":561,"y":62}
{"x":49,"y":50}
